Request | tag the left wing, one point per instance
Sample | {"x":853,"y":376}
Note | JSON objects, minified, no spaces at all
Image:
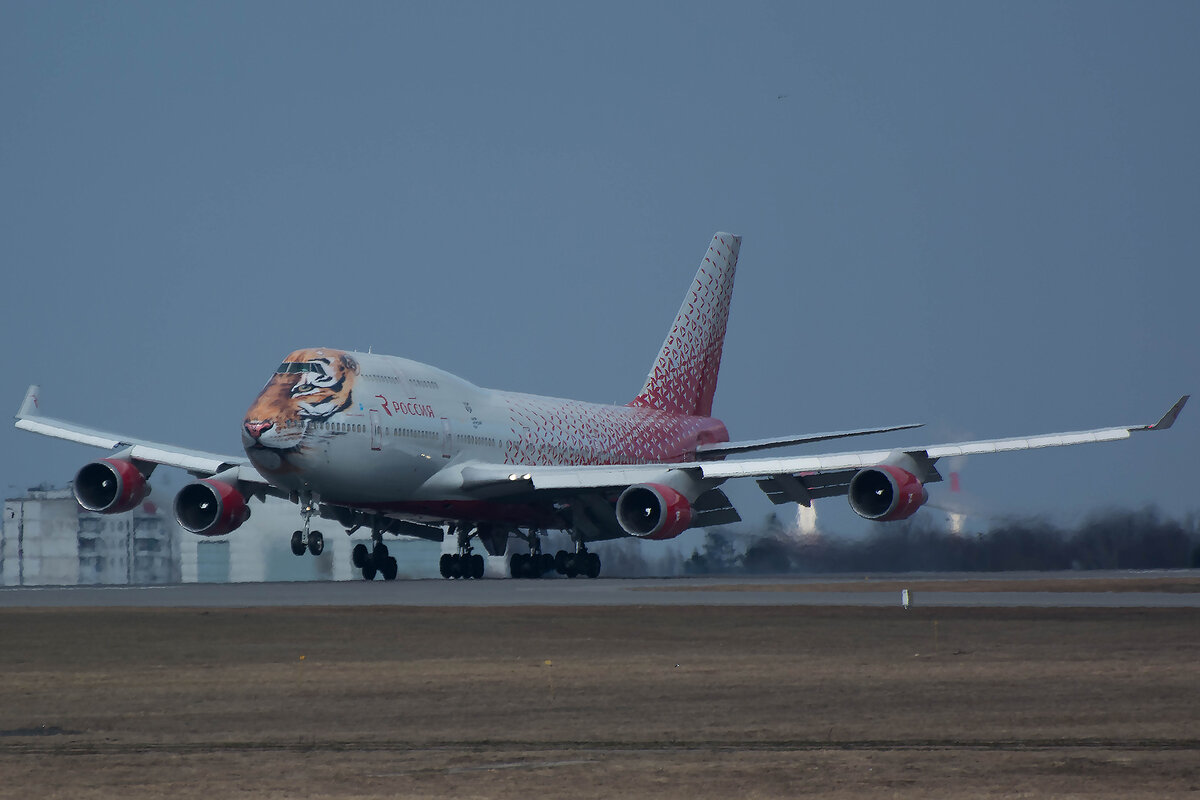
{"x":197,"y":462}
{"x":787,"y":479}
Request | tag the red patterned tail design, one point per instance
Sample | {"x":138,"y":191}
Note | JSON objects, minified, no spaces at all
{"x":684,"y":376}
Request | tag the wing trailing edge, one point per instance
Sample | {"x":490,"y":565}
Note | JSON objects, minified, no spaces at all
{"x":719,"y":449}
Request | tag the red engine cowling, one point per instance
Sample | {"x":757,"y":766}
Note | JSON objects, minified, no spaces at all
{"x":886,"y":493}
{"x":210,"y":508}
{"x":653,"y":511}
{"x":110,"y":486}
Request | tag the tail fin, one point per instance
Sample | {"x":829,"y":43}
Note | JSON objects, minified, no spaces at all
{"x":684,"y":376}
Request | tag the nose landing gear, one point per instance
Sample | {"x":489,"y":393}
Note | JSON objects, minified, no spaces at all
{"x":304,"y":540}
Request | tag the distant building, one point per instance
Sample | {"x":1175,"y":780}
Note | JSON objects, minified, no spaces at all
{"x":48,"y":539}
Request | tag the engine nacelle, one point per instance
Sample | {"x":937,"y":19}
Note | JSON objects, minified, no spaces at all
{"x":210,"y":508}
{"x":110,"y":486}
{"x":653,"y":511}
{"x":886,"y":493}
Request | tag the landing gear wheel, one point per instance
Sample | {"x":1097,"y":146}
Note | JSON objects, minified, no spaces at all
{"x":389,"y":568}
{"x":477,"y":566}
{"x":591,"y":565}
{"x":368,"y":571}
{"x":359,"y":555}
{"x":547,"y":563}
{"x":380,"y":552}
{"x":516,"y":565}
{"x":573,"y":565}
{"x":316,"y":543}
{"x":560,"y":561}
{"x":444,"y":564}
{"x":297,"y":543}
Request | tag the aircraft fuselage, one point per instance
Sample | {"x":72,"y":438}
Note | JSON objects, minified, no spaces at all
{"x":384,"y":432}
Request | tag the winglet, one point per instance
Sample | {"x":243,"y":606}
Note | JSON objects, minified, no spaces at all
{"x":29,"y":407}
{"x":1168,"y":419}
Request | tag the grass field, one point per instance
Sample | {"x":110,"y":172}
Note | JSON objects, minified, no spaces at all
{"x":692,"y":702}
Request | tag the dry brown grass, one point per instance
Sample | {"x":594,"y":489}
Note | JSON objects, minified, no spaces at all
{"x":599,"y":702}
{"x":1171,"y":585}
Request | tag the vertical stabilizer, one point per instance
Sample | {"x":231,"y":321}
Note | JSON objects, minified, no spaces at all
{"x":684,"y":376}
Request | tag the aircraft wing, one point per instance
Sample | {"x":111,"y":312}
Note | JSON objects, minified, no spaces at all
{"x":722,"y":449}
{"x":197,"y":462}
{"x":786,"y":479}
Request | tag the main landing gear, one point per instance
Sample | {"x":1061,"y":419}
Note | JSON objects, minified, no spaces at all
{"x":463,"y":564}
{"x":581,"y":562}
{"x":376,"y":559}
{"x":304,"y":540}
{"x":536,"y":564}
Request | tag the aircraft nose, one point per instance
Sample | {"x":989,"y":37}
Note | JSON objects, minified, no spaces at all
{"x":257,"y":427}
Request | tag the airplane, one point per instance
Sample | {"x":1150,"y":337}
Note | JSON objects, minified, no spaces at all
{"x":405,"y":448}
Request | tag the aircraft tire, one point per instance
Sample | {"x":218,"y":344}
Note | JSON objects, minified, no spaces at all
{"x":547,"y":563}
{"x":316,"y":543}
{"x":444,"y":565}
{"x":380,"y":552}
{"x":359,"y":555}
{"x":477,"y":566}
{"x":368,"y":571}
{"x":389,"y":569}
{"x":297,"y":543}
{"x":592,"y":565}
{"x":572,"y":566}
{"x":516,"y":565}
{"x":560,"y":561}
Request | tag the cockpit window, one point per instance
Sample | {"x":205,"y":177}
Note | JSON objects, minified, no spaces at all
{"x":300,"y":367}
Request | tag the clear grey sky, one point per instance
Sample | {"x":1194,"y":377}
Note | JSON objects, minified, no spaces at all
{"x":982,"y":216}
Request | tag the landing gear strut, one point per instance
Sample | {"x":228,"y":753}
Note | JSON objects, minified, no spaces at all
{"x":533,"y":564}
{"x":581,"y":562}
{"x":304,"y":540}
{"x":375,"y":560}
{"x":465,"y":563}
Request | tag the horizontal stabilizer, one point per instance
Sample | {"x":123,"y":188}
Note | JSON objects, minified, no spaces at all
{"x":718,"y":449}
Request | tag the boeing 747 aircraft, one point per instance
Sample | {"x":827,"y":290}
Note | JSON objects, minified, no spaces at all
{"x":405,"y":448}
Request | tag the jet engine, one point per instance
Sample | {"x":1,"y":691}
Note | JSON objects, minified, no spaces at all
{"x":653,"y":511}
{"x":110,"y":486}
{"x":886,"y":493}
{"x":210,"y":508}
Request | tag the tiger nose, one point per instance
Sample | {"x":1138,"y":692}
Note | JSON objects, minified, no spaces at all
{"x":257,"y":427}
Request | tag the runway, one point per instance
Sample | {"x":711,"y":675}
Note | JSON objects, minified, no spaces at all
{"x":1173,"y":589}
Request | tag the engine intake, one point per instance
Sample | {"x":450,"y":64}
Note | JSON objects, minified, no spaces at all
{"x":653,"y":511}
{"x":886,"y":493}
{"x":210,"y":508}
{"x":110,"y":486}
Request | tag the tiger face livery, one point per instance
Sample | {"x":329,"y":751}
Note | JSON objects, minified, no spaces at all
{"x":310,"y":386}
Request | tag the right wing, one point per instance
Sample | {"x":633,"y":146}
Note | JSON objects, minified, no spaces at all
{"x":197,"y":462}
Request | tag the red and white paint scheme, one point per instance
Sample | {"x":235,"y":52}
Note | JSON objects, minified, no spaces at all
{"x":401,"y":447}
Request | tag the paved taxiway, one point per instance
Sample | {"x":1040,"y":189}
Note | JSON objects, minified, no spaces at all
{"x":709,"y":591}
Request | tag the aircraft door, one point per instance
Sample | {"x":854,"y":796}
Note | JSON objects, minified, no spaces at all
{"x":376,"y":431}
{"x":446,"y":438}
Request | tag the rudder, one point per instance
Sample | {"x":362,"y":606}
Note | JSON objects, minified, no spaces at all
{"x":683,"y":378}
